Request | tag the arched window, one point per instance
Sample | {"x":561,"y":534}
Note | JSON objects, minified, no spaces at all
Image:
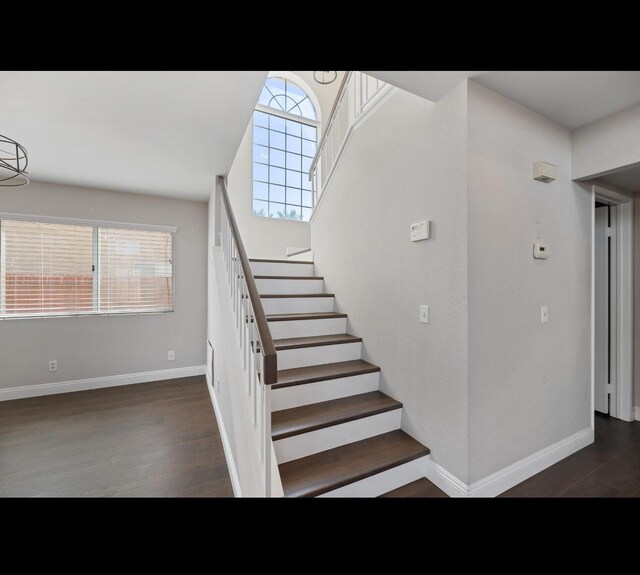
{"x":284,"y":144}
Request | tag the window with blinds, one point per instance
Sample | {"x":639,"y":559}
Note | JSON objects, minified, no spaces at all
{"x":49,"y":269}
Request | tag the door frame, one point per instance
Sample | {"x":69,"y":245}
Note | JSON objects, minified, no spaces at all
{"x":621,"y":308}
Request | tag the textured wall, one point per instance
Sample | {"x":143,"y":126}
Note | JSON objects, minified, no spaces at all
{"x":404,"y":164}
{"x":97,"y":346}
{"x":607,"y":144}
{"x":269,"y":237}
{"x":529,"y":383}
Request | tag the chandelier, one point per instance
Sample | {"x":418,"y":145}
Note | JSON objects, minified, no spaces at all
{"x":325,"y":77}
{"x":13,"y":163}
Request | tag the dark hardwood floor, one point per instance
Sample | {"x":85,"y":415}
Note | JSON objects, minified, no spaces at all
{"x":609,"y":467}
{"x":161,"y":439}
{"x":151,"y":439}
{"x":420,"y":488}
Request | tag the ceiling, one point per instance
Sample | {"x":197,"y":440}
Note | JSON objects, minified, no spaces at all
{"x":159,"y":133}
{"x":170,"y":133}
{"x":572,"y":99}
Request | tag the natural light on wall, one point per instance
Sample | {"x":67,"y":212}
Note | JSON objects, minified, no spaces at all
{"x":284,"y":144}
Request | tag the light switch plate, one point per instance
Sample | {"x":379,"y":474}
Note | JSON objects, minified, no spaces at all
{"x":544,"y":314}
{"x":419,"y":231}
{"x":424,"y":314}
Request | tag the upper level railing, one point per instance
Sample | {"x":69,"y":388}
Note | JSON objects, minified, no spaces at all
{"x":256,"y":344}
{"x":357,"y":94}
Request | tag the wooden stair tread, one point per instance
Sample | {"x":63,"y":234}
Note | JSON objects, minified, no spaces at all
{"x":288,"y":277}
{"x":419,"y":488}
{"x":297,"y":420}
{"x":269,"y":261}
{"x":305,"y":316}
{"x":313,"y":373}
{"x":297,"y":295}
{"x":314,"y":341}
{"x":322,"y":472}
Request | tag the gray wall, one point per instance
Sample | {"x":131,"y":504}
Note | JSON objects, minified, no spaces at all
{"x":97,"y":346}
{"x":607,"y":144}
{"x":269,"y":237}
{"x":404,"y":164}
{"x":529,"y":383}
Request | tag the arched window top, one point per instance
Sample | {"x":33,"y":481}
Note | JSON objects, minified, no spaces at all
{"x":284,"y":95}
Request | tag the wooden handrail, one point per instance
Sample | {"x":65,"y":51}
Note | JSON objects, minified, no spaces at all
{"x":264,"y":333}
{"x":328,"y":123}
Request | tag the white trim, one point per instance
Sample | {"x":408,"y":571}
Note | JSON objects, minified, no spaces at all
{"x":372,"y":106}
{"x":637,"y":412}
{"x":226,"y":446}
{"x":593,"y":306}
{"x":40,"y":389}
{"x":508,"y":477}
{"x":624,"y":315}
{"x":287,"y":116}
{"x":446,"y":481}
{"x":609,"y":197}
{"x":297,"y":251}
{"x":623,"y":321}
{"x":309,"y":91}
{"x":82,"y":222}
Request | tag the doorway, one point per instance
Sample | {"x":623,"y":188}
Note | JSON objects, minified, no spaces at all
{"x":612,"y":303}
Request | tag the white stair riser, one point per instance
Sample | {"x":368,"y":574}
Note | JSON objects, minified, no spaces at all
{"x":289,"y":286}
{"x":308,"y":327}
{"x":298,"y":446}
{"x":383,"y":482}
{"x":305,"y":356}
{"x":305,"y":394}
{"x":296,"y":304}
{"x":273,"y":269}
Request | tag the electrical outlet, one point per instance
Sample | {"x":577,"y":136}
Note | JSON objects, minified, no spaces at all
{"x":171,"y":356}
{"x":53,"y":365}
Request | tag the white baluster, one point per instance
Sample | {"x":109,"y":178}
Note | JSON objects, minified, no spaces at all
{"x":266,"y":435}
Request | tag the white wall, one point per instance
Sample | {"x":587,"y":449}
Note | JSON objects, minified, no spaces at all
{"x":607,"y":144}
{"x":529,"y":383}
{"x":269,"y":237}
{"x":406,"y":163}
{"x":97,"y":346}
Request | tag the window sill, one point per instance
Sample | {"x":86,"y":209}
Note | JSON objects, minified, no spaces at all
{"x":89,"y":314}
{"x":280,"y":219}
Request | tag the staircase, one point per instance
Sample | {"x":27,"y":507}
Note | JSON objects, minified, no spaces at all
{"x":334,"y":433}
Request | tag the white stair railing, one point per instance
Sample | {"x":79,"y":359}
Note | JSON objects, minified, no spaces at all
{"x":357,"y":95}
{"x":258,"y":351}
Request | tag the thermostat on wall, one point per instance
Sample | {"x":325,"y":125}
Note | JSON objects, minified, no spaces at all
{"x":541,"y":251}
{"x":420,"y":231}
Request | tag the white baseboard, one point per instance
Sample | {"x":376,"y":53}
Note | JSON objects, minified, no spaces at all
{"x":446,"y":481}
{"x":98,"y":382}
{"x":231,"y":464}
{"x":506,"y":478}
{"x":637,"y":412}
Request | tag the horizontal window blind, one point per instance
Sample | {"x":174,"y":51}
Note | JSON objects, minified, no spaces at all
{"x":62,"y":269}
{"x":45,"y":268}
{"x":135,"y":270}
